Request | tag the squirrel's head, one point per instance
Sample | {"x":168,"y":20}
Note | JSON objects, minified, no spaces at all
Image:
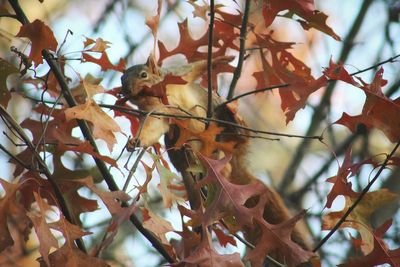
{"x":137,"y":77}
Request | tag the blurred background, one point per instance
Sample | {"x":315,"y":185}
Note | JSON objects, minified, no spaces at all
{"x":297,"y":168}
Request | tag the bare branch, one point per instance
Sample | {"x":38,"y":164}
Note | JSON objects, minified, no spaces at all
{"x":242,"y":40}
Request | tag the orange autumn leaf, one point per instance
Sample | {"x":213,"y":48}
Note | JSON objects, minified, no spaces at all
{"x":103,"y":125}
{"x":207,"y":138}
{"x":41,"y":36}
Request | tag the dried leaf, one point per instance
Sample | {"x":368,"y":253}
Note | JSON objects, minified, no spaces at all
{"x":41,"y":36}
{"x":359,"y":218}
{"x":5,"y":70}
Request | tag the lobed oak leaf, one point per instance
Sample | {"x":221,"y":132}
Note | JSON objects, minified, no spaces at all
{"x":189,"y":47}
{"x":278,"y":237}
{"x":103,"y":125}
{"x":167,"y":181}
{"x":6,"y":69}
{"x":153,"y":21}
{"x":380,"y":254}
{"x":359,"y":218}
{"x":378,"y":111}
{"x":229,"y":198}
{"x":112,"y":200}
{"x":206,"y":256}
{"x":104,"y":62}
{"x":156,"y":224}
{"x":190,"y":239}
{"x":207,"y":138}
{"x":11,"y":208}
{"x":42,"y":228}
{"x":99,"y":45}
{"x":302,"y":8}
{"x":70,"y":256}
{"x":41,"y":36}
{"x":77,"y":204}
{"x":133,"y":119}
{"x":224,"y":239}
{"x":200,"y":11}
{"x":284,"y":68}
{"x":149,"y":175}
{"x":340,"y":184}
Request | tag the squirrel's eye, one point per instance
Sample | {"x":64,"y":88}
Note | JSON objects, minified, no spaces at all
{"x":143,"y":74}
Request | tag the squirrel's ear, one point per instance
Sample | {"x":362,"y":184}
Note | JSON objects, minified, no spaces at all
{"x":152,"y":63}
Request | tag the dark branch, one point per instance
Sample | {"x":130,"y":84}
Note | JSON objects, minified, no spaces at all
{"x":209,"y":60}
{"x":242,"y":39}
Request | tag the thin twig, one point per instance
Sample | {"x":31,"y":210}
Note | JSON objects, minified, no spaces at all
{"x":223,"y":122}
{"x":14,"y":157}
{"x":255,"y":92}
{"x":358,"y":200}
{"x":242,"y":40}
{"x":133,"y":169}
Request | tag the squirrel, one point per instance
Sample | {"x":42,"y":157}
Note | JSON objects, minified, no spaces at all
{"x":191,"y":98}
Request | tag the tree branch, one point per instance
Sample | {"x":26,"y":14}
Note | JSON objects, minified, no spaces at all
{"x":209,"y":60}
{"x":242,"y":39}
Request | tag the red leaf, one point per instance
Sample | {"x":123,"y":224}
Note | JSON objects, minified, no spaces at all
{"x":304,"y":9}
{"x":224,"y":239}
{"x":41,"y":37}
{"x":379,"y":111}
{"x":340,"y":184}
{"x":278,"y":237}
{"x":206,"y":256}
{"x":286,"y":69}
{"x":104,"y":62}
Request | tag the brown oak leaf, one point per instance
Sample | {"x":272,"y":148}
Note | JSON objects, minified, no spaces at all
{"x":41,"y":36}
